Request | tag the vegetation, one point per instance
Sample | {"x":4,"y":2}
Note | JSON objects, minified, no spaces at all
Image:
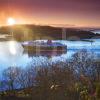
{"x":30,"y":32}
{"x":77,"y":79}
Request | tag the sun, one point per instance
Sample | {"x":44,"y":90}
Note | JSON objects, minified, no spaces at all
{"x":11,"y":21}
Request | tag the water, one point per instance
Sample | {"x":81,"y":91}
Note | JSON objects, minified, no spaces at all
{"x":13,"y":54}
{"x":96,"y":31}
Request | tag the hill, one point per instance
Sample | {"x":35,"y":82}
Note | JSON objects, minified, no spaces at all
{"x":30,"y":32}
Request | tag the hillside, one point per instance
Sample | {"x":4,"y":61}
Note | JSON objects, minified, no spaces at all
{"x":29,"y":32}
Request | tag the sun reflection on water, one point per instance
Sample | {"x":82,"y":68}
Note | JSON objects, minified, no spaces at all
{"x":12,"y":47}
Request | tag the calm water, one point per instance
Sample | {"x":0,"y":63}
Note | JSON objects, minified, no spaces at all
{"x":96,"y":31}
{"x":13,"y":54}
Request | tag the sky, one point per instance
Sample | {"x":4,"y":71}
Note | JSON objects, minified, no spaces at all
{"x":79,"y":13}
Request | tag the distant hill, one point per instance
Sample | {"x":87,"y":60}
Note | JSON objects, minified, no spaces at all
{"x":30,"y":32}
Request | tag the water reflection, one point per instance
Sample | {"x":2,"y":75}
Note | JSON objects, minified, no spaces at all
{"x":13,"y":54}
{"x":10,"y":53}
{"x":44,"y":53}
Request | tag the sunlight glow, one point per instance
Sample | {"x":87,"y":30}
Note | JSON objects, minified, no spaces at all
{"x":12,"y":48}
{"x":11,"y":21}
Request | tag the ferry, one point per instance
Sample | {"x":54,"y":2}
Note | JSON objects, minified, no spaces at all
{"x":44,"y":48}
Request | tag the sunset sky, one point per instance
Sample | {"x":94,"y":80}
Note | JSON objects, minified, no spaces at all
{"x":57,"y":12}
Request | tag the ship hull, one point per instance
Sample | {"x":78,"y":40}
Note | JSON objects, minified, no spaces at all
{"x":45,"y":50}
